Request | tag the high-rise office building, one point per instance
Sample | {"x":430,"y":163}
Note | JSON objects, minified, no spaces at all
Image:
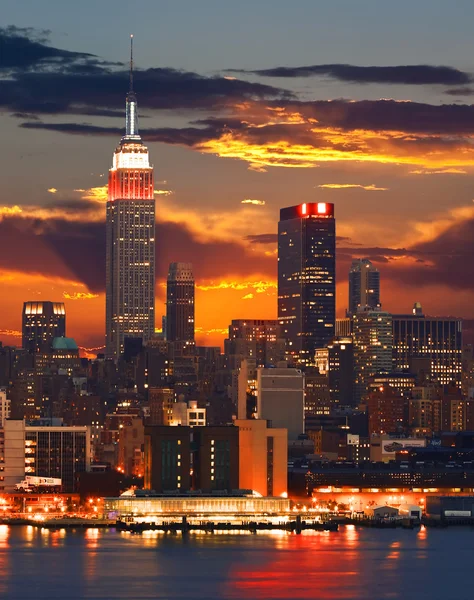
{"x":307,"y":278}
{"x":341,"y":371}
{"x":364,"y":285}
{"x":130,"y":239}
{"x":41,"y":323}
{"x":373,"y":341}
{"x":429,"y":344}
{"x":180,"y":304}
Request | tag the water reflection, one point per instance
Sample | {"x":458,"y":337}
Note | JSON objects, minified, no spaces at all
{"x":354,"y":563}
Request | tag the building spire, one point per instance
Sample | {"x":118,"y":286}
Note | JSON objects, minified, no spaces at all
{"x":131,"y":118}
{"x":131,"y":63}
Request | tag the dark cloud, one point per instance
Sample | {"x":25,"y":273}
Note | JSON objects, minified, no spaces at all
{"x":26,"y":49}
{"x":390,"y":115}
{"x":446,"y":260}
{"x":262,"y":238}
{"x":403,"y":74}
{"x":461,"y":91}
{"x":56,"y":247}
{"x":47,"y":80}
{"x":185,"y":136}
{"x":439,"y":127}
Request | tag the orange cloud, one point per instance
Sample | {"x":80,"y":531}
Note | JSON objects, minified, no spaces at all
{"x":79,"y":296}
{"x":94,"y":194}
{"x":251,"y":201}
{"x":450,"y":171}
{"x":258,"y":286}
{"x":345,"y":186}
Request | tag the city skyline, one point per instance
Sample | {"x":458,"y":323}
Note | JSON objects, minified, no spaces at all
{"x":232,"y":148}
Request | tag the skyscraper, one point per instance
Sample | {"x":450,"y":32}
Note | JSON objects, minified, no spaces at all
{"x":254,"y":338}
{"x":432,"y":345}
{"x":364,"y":285}
{"x":130,"y":238}
{"x":180,"y":304}
{"x":41,"y":323}
{"x":307,"y":278}
{"x":373,"y":342}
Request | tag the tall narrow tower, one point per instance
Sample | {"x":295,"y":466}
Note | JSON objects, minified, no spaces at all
{"x":364,"y":285}
{"x":180,"y":304}
{"x":130,"y":237}
{"x":307,"y":278}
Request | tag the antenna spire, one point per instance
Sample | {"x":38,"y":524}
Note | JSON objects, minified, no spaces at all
{"x":131,"y":62}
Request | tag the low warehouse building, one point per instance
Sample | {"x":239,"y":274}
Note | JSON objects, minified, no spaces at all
{"x":412,"y":511}
{"x":382,"y":512}
{"x":445,"y":507}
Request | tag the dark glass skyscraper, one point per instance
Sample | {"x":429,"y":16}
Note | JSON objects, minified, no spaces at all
{"x":180,"y":304}
{"x":41,"y":323}
{"x":364,"y":285}
{"x":307,"y":278}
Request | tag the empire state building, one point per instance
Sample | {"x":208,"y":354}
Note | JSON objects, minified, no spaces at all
{"x":130,"y":238}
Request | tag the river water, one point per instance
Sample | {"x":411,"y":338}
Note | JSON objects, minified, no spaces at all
{"x":353,"y":563}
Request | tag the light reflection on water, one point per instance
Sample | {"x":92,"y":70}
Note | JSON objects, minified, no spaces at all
{"x":354,"y":563}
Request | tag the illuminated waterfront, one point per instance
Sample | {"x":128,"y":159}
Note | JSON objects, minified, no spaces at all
{"x":352,"y":563}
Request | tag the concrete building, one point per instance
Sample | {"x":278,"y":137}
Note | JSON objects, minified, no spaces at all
{"x":160,"y":402}
{"x":247,"y":388}
{"x":263,"y":457}
{"x":41,"y":323}
{"x":167,"y":458}
{"x":307,"y":278}
{"x":387,"y":410}
{"x":280,"y":399}
{"x":4,"y":407}
{"x":130,"y":447}
{"x":197,"y":458}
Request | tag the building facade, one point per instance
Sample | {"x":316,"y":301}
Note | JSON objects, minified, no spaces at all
{"x":180,"y":304}
{"x":263,"y":457}
{"x":191,"y":458}
{"x":307,"y":278}
{"x":130,"y":240}
{"x":41,"y":323}
{"x":373,"y":341}
{"x":45,"y":451}
{"x":429,"y":344}
{"x":257,"y":339}
{"x":364,"y":285}
{"x":280,"y":399}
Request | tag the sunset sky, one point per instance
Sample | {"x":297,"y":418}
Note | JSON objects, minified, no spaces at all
{"x":246,"y":107}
